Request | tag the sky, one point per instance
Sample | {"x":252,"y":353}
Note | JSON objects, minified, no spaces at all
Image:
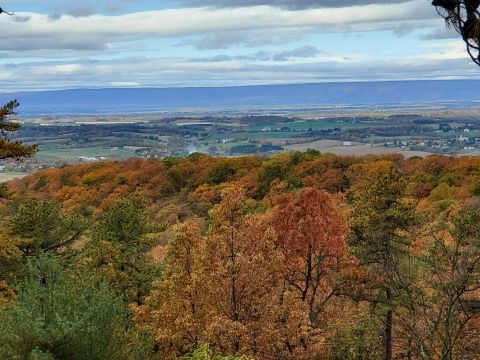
{"x":65,"y":44}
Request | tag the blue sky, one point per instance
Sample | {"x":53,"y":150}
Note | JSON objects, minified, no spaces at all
{"x":58,"y":44}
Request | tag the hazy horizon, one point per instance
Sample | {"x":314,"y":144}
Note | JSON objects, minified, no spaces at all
{"x":452,"y":93}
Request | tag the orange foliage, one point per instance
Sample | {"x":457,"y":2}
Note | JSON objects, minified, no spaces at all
{"x":311,"y":233}
{"x":230,"y":287}
{"x":265,"y":277}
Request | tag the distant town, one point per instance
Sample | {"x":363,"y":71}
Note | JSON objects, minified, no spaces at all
{"x":80,"y":139}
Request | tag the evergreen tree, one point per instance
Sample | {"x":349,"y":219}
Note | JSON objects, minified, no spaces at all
{"x":381,"y":216}
{"x":40,"y":226}
{"x":120,"y":246}
{"x":9,"y":148}
{"x":58,"y":316}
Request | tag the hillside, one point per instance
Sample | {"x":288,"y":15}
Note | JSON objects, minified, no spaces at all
{"x":253,"y":256}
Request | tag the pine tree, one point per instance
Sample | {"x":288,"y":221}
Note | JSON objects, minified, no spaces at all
{"x":380,"y":219}
{"x":9,"y":148}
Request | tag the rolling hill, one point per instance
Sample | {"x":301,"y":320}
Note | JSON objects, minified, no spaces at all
{"x":134,"y":100}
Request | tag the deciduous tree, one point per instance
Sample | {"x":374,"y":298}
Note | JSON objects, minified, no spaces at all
{"x":244,"y":276}
{"x":311,"y":234}
{"x":175,"y":312}
{"x":445,"y":299}
{"x":227,"y":285}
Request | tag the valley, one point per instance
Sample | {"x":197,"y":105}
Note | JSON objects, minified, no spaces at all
{"x":77,"y":139}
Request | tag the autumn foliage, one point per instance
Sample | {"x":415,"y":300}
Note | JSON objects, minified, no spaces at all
{"x":239,"y":283}
{"x":295,"y":256}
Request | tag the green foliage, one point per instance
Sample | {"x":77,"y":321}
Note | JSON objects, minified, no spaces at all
{"x":220,"y":173}
{"x":379,"y":237}
{"x":4,"y":192}
{"x":124,"y":223}
{"x":475,"y":187}
{"x":467,"y":227}
{"x":65,"y":180}
{"x":41,"y":182}
{"x":195,"y":157}
{"x":170,"y":161}
{"x":86,"y":210}
{"x":8,"y":148}
{"x":56,"y":316}
{"x":278,"y":169}
{"x":180,"y":176}
{"x":42,"y":226}
{"x":358,"y":342}
{"x":442,"y":192}
{"x":205,"y":353}
{"x":379,"y":212}
{"x":451,"y":179}
{"x":119,"y":250}
{"x":312,"y":153}
{"x":442,"y":196}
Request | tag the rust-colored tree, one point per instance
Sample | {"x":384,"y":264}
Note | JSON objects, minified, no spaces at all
{"x":311,"y":234}
{"x":245,"y":267}
{"x":222,"y":287}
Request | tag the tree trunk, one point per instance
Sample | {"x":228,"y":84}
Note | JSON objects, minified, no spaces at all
{"x":446,"y":354}
{"x":388,"y":328}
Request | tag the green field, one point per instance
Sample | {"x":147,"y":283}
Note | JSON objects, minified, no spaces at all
{"x":313,"y":124}
{"x":227,"y":146}
{"x":271,"y":135}
{"x":297,"y":125}
{"x":71,"y":154}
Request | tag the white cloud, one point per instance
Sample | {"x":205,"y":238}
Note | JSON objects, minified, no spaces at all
{"x":297,"y":4}
{"x":255,"y":68}
{"x":445,"y":51}
{"x":96,"y":31}
{"x":125,"y":84}
{"x":40,"y":51}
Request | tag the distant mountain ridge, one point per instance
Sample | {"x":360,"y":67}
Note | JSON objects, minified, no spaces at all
{"x":135,"y":100}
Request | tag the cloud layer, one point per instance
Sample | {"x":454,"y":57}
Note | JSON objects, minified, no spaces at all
{"x":204,"y":42}
{"x":296,"y":4}
{"x":219,"y":27}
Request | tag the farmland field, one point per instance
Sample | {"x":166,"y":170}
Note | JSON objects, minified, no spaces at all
{"x":73,"y":153}
{"x":380,"y":133}
{"x":7,"y":176}
{"x":356,"y":148}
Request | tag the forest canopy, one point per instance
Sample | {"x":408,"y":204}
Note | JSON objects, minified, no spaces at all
{"x":295,"y":256}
